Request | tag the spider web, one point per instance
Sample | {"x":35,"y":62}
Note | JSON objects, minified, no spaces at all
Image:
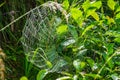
{"x":39,"y":36}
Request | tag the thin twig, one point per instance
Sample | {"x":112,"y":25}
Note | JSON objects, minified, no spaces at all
{"x":18,"y":18}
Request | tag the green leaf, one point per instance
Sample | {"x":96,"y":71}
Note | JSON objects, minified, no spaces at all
{"x":41,"y":74}
{"x":2,"y":3}
{"x":93,"y":75}
{"x":76,"y":13}
{"x":113,"y":33}
{"x":90,"y":12}
{"x":86,"y":5}
{"x":49,"y":64}
{"x":96,"y":4}
{"x":118,"y":9}
{"x":117,"y":40}
{"x":24,"y":78}
{"x":111,"y":4}
{"x":62,"y":29}
{"x":73,"y":31}
{"x":86,"y":29}
{"x":95,"y":16}
{"x":110,"y":20}
{"x":117,"y":16}
{"x":65,"y":4}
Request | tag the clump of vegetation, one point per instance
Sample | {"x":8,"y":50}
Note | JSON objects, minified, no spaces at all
{"x":87,"y":44}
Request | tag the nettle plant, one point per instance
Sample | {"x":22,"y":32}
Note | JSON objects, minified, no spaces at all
{"x":87,"y":42}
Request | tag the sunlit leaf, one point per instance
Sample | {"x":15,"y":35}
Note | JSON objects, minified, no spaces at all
{"x":117,"y":16}
{"x":24,"y":78}
{"x":62,"y":29}
{"x":76,"y":13}
{"x":86,"y":5}
{"x":65,"y":4}
{"x":86,"y":29}
{"x":118,"y":9}
{"x":110,"y":20}
{"x":111,"y":4}
{"x":49,"y":64}
{"x":96,"y":4}
{"x":41,"y":74}
{"x":95,"y":16}
{"x":90,"y":12}
{"x":117,"y":40}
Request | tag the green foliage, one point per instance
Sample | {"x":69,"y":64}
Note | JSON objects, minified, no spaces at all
{"x":92,"y":47}
{"x":41,"y":74}
{"x":23,"y":78}
{"x":99,"y":35}
{"x":65,"y":4}
{"x":111,"y":4}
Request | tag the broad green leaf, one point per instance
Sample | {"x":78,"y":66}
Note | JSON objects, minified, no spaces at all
{"x":41,"y":74}
{"x":86,"y":29}
{"x":96,"y":4}
{"x":24,"y":78}
{"x":110,"y":20}
{"x":86,"y":5}
{"x":76,"y":13}
{"x":118,"y":9}
{"x":49,"y":64}
{"x":111,"y":4}
{"x":117,"y":40}
{"x":62,"y":29}
{"x":73,"y":31}
{"x":117,"y":16}
{"x":65,"y":4}
{"x":90,"y":12}
{"x":95,"y":16}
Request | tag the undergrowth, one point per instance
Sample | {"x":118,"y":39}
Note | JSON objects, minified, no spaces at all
{"x":95,"y":52}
